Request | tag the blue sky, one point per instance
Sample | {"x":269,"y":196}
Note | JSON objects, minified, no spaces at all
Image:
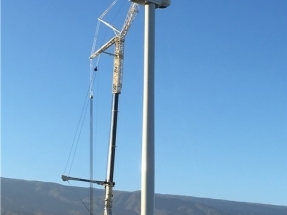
{"x":221,"y":96}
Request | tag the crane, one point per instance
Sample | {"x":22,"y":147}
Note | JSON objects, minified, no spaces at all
{"x":118,"y":40}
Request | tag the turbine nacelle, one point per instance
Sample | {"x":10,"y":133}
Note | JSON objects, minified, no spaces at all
{"x":158,"y":3}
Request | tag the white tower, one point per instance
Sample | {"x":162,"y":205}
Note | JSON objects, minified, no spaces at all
{"x":147,"y":177}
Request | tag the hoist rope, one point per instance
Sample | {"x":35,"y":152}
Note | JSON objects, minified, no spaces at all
{"x":77,"y":135}
{"x":74,"y":190}
{"x":95,"y":37}
{"x":78,"y":132}
{"x":91,"y":142}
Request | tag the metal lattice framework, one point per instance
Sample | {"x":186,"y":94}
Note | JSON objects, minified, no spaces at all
{"x":118,"y":41}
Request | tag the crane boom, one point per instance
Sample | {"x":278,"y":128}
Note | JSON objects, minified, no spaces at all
{"x":133,"y":11}
{"x":119,"y":41}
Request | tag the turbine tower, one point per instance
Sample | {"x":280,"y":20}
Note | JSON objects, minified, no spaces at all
{"x":148,"y":155}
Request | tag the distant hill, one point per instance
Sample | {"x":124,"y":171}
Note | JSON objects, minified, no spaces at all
{"x":21,"y":197}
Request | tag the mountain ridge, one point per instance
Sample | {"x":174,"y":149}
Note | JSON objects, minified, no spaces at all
{"x":25,"y":197}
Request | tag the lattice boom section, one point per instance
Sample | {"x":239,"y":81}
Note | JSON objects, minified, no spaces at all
{"x":118,"y":65}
